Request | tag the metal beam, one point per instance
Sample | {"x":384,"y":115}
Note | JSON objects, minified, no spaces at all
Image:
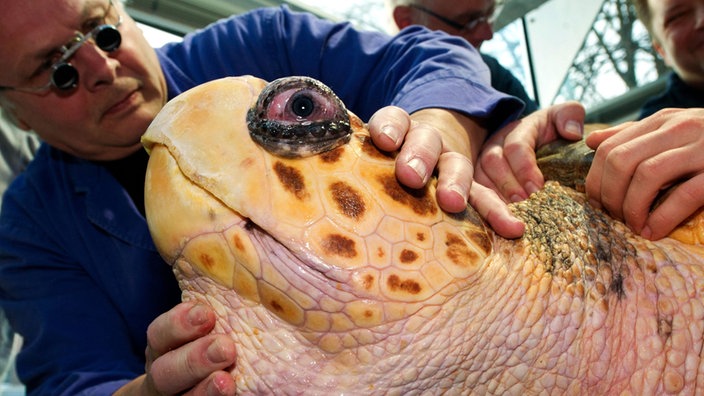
{"x":183,"y":16}
{"x":514,"y":9}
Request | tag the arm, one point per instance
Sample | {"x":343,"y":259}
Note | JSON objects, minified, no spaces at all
{"x":415,"y":70}
{"x":635,"y":161}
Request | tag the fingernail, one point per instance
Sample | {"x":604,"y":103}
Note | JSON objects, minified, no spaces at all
{"x":216,"y":353}
{"x":219,"y":386}
{"x":574,"y":128}
{"x":419,"y":167}
{"x":390,"y":132}
{"x":515,"y":198}
{"x":531,"y":187}
{"x":459,"y":191}
{"x":646,"y":233}
{"x":197,"y":315}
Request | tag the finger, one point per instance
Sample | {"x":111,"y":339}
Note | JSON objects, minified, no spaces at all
{"x":482,"y":178}
{"x":617,"y":172}
{"x":520,"y":155}
{"x":419,"y":155}
{"x":682,"y":202}
{"x":183,"y":323}
{"x":637,"y":169}
{"x":595,"y":138}
{"x":604,"y":142}
{"x":388,"y":127}
{"x":495,"y":212}
{"x":495,"y":167}
{"x":569,"y":120}
{"x":454,"y":181}
{"x":185,"y":367}
{"x":654,"y":175}
{"x":218,"y":383}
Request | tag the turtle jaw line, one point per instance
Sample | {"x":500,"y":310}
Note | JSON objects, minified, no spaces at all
{"x":291,"y":264}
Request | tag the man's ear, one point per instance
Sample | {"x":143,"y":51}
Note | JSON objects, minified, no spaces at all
{"x":658,"y":48}
{"x":402,"y":16}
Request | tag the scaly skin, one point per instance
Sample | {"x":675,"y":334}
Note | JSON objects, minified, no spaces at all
{"x":335,"y":280}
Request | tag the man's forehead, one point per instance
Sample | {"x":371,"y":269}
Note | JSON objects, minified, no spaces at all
{"x":658,"y":7}
{"x":31,"y":29}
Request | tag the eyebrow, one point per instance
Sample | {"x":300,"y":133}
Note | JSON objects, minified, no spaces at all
{"x":35,"y":60}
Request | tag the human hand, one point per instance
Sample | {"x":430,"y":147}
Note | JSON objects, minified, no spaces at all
{"x":507,"y":162}
{"x":636,"y":160}
{"x":446,"y":139}
{"x":183,"y":358}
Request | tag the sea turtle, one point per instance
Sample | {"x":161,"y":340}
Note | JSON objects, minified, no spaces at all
{"x":334,"y":279}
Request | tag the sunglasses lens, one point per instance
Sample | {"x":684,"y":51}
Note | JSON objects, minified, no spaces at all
{"x":108,"y":38}
{"x":64,"y":76}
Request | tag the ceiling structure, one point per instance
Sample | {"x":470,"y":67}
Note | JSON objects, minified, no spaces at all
{"x":182,"y":16}
{"x":510,"y":10}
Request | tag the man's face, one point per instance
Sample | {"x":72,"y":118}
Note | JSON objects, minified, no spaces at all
{"x":461,"y":12}
{"x":678,"y":33}
{"x":118,"y":93}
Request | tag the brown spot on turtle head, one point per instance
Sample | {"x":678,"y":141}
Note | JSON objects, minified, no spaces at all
{"x":332,"y":156}
{"x":339,"y":245}
{"x":409,"y":286}
{"x":420,"y":237}
{"x":419,"y":200}
{"x":276,"y":307}
{"x":481,"y":239}
{"x":237,"y":242}
{"x":368,"y":281}
{"x":458,"y":252}
{"x":349,"y":201}
{"x":292,"y":180}
{"x":206,"y":260}
{"x":368,"y":148}
{"x":408,"y":256}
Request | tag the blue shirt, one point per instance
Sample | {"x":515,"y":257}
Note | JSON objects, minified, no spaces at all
{"x":80,"y":278}
{"x":677,"y":95}
{"x":504,"y":81}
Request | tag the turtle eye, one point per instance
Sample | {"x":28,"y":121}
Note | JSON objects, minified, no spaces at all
{"x":302,"y":106}
{"x":297,"y":117}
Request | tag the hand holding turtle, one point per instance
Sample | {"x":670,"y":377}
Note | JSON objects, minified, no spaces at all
{"x":507,"y":162}
{"x":447,"y":140}
{"x":636,"y":160}
{"x":182,"y":356}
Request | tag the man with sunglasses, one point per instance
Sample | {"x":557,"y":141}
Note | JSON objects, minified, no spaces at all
{"x":469,"y":19}
{"x":80,"y":279}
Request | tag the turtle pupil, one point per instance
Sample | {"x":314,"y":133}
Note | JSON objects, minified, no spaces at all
{"x":302,"y":106}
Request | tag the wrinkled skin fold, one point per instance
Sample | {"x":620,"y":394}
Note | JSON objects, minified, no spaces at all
{"x":332,"y":278}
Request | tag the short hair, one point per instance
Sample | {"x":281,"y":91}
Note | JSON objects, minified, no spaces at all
{"x":644,"y":14}
{"x":397,"y":3}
